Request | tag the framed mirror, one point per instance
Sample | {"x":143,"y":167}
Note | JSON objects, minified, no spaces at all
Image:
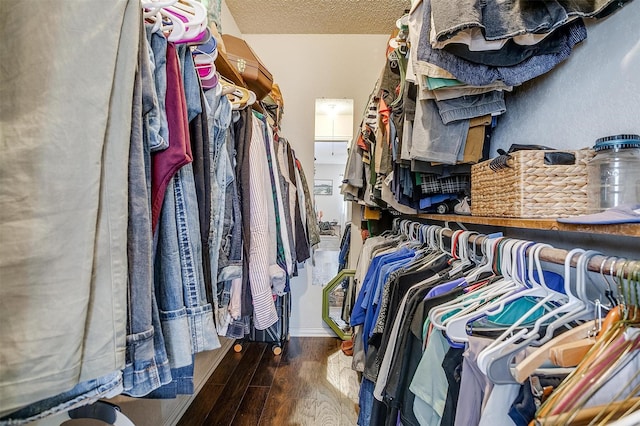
{"x":337,"y":301}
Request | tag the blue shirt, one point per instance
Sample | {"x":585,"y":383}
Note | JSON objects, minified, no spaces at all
{"x":362,"y":301}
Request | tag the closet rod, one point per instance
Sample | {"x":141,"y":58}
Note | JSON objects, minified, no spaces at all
{"x":558,"y":256}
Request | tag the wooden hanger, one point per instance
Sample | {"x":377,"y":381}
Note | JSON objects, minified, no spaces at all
{"x":569,"y":354}
{"x":525,"y":368}
{"x":585,"y":416}
{"x":604,"y":358}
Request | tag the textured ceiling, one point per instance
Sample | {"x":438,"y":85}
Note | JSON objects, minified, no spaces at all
{"x":317,"y":16}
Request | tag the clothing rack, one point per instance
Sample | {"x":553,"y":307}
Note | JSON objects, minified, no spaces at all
{"x":611,"y":265}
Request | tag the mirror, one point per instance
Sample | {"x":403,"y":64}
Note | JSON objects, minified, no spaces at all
{"x":338,"y":297}
{"x":333,"y":133}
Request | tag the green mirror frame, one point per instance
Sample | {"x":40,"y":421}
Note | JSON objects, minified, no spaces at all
{"x":331,"y":285}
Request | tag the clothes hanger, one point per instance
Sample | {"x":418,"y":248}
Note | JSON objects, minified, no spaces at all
{"x":194,"y":16}
{"x":515,"y":338}
{"x":485,"y":265}
{"x":602,"y":370}
{"x":469,"y":302}
{"x":517,"y":288}
{"x":205,"y":65}
{"x":180,"y":22}
{"x":587,"y":311}
{"x":437,"y":312}
{"x":570,"y":354}
{"x":239,"y":96}
{"x":194,"y":11}
{"x":171,"y":26}
{"x":457,"y":324}
{"x":151,"y":7}
{"x":609,"y":293}
{"x":610,"y":342}
{"x":460,"y":251}
{"x":587,"y":416}
{"x":525,"y":368}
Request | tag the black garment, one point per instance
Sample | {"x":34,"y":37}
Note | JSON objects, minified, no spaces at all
{"x":511,"y":53}
{"x":524,"y":408}
{"x":452,"y":366}
{"x":404,"y":397}
{"x":199,"y":136}
{"x":284,"y":189}
{"x":242,"y":132}
{"x":301,"y":240}
{"x":399,"y":289}
{"x":378,"y":343}
{"x":230,"y":252}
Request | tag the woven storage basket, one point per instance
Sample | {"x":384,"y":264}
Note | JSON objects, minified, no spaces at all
{"x":530,"y":189}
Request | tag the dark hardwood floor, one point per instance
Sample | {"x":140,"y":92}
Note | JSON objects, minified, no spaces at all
{"x":310,"y":384}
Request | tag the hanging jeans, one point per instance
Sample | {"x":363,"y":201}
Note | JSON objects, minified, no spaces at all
{"x":142,"y":372}
{"x":482,"y":75}
{"x":157,"y":118}
{"x":219,"y":120}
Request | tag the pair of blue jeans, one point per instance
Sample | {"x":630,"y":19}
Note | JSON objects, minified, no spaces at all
{"x":157,"y":118}
{"x":84,"y":393}
{"x":145,"y":370}
{"x":503,"y":20}
{"x":471,"y":106}
{"x":219,"y":121}
{"x":186,"y":317}
{"x":482,"y":75}
{"x":231,"y":244}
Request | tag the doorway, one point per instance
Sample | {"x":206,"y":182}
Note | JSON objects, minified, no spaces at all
{"x":333,"y":134}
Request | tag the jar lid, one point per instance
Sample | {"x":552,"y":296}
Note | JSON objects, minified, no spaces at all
{"x":617,"y":142}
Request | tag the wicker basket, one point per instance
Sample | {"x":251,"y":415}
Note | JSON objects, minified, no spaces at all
{"x":530,"y":189}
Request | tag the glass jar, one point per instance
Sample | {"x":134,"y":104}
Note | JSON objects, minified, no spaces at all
{"x":614,"y":172}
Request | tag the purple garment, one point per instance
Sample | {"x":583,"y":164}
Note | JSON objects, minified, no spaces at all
{"x":165,"y":164}
{"x":445,"y":288}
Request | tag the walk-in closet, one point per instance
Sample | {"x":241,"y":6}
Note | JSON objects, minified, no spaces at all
{"x":312,"y":212}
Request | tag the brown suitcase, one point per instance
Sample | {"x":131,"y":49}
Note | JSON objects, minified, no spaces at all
{"x":253,"y":72}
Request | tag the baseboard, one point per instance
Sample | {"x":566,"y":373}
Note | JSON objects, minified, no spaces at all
{"x":167,"y":412}
{"x":312,"y":332}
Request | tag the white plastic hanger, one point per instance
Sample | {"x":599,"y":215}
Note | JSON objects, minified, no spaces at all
{"x":471,"y":301}
{"x":152,"y":6}
{"x":496,"y":360}
{"x":457,"y":324}
{"x":503,"y":347}
{"x":485,"y":264}
{"x":437,"y":312}
{"x":192,"y":13}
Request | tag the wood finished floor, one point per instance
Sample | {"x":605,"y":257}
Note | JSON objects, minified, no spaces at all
{"x":310,"y":384}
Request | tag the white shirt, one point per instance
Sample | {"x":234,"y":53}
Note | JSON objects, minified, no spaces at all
{"x":264,"y":309}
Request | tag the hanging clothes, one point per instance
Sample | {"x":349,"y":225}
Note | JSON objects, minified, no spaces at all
{"x":455,"y":329}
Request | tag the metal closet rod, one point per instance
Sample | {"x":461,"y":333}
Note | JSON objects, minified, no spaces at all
{"x":558,"y":256}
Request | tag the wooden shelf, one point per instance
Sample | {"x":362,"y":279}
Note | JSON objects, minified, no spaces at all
{"x":627,"y":229}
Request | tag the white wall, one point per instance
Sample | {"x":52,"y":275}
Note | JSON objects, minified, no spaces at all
{"x":594,"y":93}
{"x":307,"y":67}
{"x":227,"y":22}
{"x":333,"y":207}
{"x":329,"y":128}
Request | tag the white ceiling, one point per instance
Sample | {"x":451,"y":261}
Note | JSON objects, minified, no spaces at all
{"x":317,"y":16}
